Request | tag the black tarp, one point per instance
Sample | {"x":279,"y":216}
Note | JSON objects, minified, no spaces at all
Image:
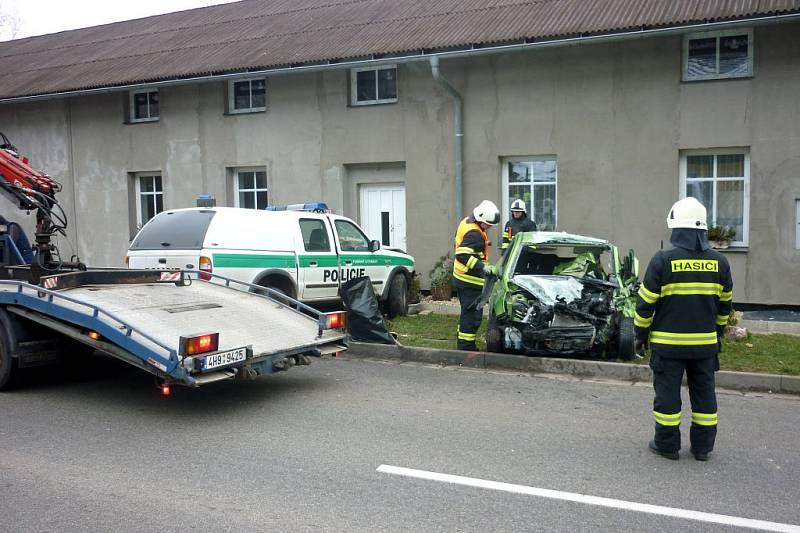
{"x":364,"y":319}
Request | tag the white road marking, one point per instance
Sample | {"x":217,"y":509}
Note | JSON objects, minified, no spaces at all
{"x":592,"y":500}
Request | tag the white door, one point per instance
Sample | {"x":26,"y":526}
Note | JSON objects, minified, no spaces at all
{"x":383,"y":214}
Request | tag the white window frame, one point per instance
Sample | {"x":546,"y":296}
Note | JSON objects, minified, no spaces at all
{"x":718,"y":34}
{"x":354,"y":86}
{"x":254,"y":191}
{"x":139,"y":193}
{"x":132,"y":106}
{"x":232,"y":97}
{"x":505,"y":184}
{"x":712,"y":217}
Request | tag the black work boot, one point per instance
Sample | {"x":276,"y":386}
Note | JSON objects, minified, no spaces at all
{"x":699,"y":456}
{"x":669,"y":455}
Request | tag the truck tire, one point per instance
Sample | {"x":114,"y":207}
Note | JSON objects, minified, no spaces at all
{"x":397,"y":303}
{"x":8,"y":366}
{"x":494,"y":337}
{"x":626,"y":339}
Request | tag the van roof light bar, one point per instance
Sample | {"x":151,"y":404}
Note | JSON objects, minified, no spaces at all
{"x":312,"y":207}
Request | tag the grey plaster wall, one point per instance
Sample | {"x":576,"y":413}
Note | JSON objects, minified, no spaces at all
{"x":616,"y":116}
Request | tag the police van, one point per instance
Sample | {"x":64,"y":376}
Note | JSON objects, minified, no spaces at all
{"x":304,"y":252}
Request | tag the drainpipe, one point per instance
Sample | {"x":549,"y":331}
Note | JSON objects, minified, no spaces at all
{"x":458,"y":111}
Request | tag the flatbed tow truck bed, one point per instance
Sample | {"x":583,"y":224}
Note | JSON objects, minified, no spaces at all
{"x":154,"y":319}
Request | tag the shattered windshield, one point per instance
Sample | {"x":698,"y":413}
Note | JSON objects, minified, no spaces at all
{"x":547,"y":288}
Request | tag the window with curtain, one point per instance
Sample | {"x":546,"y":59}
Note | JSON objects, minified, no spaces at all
{"x":720,"y":180}
{"x":718,"y":54}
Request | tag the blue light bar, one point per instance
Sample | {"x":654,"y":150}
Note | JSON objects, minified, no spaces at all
{"x":314,"y":207}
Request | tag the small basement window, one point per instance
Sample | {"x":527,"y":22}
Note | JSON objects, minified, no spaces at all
{"x":247,"y":96}
{"x":718,"y":55}
{"x":373,"y":85}
{"x":144,"y":105}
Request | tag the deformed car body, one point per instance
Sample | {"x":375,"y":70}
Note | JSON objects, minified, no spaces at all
{"x":558,"y":293}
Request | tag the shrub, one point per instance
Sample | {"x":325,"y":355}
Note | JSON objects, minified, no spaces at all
{"x":721,"y":233}
{"x":442,"y":273}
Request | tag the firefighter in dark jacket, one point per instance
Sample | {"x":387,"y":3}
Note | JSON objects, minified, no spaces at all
{"x":471,"y":267}
{"x":519,"y":223}
{"x":681,"y":311}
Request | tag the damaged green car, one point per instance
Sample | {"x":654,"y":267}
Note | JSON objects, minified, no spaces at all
{"x":559,"y":293}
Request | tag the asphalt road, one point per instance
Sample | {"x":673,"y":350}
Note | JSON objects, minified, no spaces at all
{"x":299,"y":452}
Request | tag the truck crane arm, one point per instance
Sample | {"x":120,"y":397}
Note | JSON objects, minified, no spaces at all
{"x":33,"y":190}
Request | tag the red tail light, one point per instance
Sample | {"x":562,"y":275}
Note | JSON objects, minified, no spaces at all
{"x":205,"y":266}
{"x":165,"y":389}
{"x":207,"y":342}
{"x":336,"y":320}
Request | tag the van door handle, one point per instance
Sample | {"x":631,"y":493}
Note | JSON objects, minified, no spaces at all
{"x":312,"y":263}
{"x":348,"y":263}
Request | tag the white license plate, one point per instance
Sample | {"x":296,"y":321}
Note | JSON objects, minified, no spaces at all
{"x":216,"y":360}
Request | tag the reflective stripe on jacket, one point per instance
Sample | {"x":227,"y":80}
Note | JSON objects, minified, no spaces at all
{"x":684,"y":298}
{"x":471,"y":252}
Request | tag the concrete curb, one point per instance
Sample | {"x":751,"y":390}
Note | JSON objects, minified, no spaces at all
{"x":770,"y":326}
{"x":742,"y":381}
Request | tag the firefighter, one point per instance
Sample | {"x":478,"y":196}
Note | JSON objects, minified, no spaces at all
{"x":471,"y":267}
{"x":681,"y":311}
{"x":519,"y":222}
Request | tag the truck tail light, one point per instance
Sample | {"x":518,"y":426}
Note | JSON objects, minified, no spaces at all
{"x":197,"y":344}
{"x":337,"y":320}
{"x":205,"y":266}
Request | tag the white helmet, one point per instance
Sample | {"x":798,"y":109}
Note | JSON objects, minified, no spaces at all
{"x":518,"y":205}
{"x":487,"y":213}
{"x":687,"y":213}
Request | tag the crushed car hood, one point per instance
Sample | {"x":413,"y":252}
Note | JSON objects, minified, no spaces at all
{"x":548,"y":288}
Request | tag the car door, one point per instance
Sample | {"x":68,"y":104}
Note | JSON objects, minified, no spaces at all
{"x":355,"y":257}
{"x":318,"y":262}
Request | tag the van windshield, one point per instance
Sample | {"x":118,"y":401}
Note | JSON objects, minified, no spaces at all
{"x":174,"y":230}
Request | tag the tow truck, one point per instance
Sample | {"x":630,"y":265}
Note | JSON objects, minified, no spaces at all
{"x":185,"y":327}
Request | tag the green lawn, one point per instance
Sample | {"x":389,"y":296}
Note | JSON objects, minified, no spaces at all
{"x":772,"y":354}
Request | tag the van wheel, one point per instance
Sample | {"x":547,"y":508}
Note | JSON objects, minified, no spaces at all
{"x":8,"y":367}
{"x":397,"y":305}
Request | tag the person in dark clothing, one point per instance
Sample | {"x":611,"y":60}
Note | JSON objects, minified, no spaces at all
{"x":19,"y":238}
{"x":682,"y":307}
{"x":470,"y":269}
{"x":519,"y":223}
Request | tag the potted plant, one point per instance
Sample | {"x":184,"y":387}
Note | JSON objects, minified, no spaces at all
{"x":442,"y":278}
{"x":720,"y":236}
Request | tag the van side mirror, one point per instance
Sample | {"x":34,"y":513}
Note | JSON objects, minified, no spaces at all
{"x":374,"y":245}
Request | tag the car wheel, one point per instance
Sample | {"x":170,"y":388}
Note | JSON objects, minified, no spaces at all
{"x":8,"y":368}
{"x":626,"y":339}
{"x":397,"y":305}
{"x":494,"y":338}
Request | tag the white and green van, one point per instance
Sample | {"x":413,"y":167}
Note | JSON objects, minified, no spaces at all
{"x":306,"y":255}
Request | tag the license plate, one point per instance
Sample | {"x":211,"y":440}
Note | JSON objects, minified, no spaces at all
{"x":216,"y":360}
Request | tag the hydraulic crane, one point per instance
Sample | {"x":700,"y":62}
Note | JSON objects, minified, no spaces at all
{"x":33,"y":190}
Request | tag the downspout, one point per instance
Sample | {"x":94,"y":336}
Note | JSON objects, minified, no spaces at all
{"x":458,"y":112}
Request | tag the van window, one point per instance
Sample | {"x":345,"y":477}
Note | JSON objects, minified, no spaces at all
{"x":350,"y":237}
{"x":315,"y":237}
{"x":174,"y":230}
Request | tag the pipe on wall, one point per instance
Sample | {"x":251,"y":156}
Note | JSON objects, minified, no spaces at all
{"x":458,"y":141}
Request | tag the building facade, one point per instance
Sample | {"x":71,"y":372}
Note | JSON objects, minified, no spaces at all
{"x":598,"y":138}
